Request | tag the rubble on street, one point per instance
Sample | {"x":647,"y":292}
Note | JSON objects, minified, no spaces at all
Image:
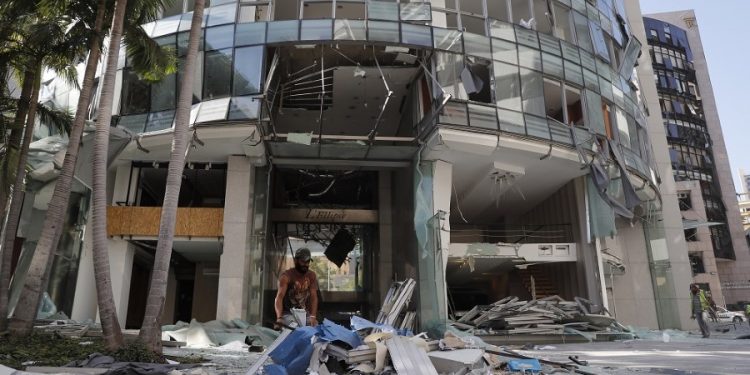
{"x":466,"y":347}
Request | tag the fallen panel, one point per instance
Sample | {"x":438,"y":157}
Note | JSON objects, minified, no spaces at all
{"x":453,"y":361}
{"x":408,"y":358}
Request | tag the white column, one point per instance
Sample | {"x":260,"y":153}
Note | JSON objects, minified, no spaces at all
{"x":238,"y":209}
{"x":84,"y":302}
{"x":121,"y":255}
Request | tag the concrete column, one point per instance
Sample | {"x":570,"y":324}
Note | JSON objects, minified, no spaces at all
{"x":121,"y":254}
{"x":431,"y":284}
{"x":232,"y":296}
{"x":84,"y":302}
{"x":384,"y":257}
{"x":666,"y":240}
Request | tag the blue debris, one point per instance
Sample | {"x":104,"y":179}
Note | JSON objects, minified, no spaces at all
{"x":293,"y":354}
{"x":330,"y":331}
{"x":524,"y":365}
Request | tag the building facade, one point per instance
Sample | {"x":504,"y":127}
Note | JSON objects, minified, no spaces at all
{"x":483,"y":148}
{"x":706,"y":194}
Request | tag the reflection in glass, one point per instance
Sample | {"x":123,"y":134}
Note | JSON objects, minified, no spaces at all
{"x":382,"y":10}
{"x":317,"y":30}
{"x":248,"y":66}
{"x":383,"y":31}
{"x":245,"y":107}
{"x":537,"y":127}
{"x":218,"y":74}
{"x":416,"y":34}
{"x":532,"y":92}
{"x":163,"y":93}
{"x":477,"y":45}
{"x":529,"y":58}
{"x":482,"y":117}
{"x":511,"y":121}
{"x":283,"y":31}
{"x":219,"y":37}
{"x":135,"y":94}
{"x":134,"y":123}
{"x":250,"y":33}
{"x":507,"y":86}
{"x":221,"y":15}
{"x":552,"y":65}
{"x":454,"y":113}
{"x":502,"y":30}
{"x":447,"y":39}
{"x":159,"y":121}
{"x":349,"y":30}
{"x":504,"y":51}
{"x":416,"y":12}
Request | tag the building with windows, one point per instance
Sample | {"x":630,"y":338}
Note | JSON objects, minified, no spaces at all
{"x":713,"y":229}
{"x":483,"y":148}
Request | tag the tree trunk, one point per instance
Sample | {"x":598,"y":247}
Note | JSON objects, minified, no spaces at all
{"x":38,"y":273}
{"x":107,"y":310}
{"x":14,"y":141}
{"x":151,"y":327}
{"x":25,"y":106}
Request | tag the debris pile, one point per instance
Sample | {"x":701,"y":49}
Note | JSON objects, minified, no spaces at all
{"x":545,"y":316}
{"x":388,"y":346}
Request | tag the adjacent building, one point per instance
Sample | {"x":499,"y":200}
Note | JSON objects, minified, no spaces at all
{"x":713,"y":228}
{"x":484,"y":148}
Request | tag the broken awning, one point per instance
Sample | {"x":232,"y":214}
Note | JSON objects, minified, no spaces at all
{"x":692,"y":224}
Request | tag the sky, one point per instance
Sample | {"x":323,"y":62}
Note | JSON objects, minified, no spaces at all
{"x":727,"y":49}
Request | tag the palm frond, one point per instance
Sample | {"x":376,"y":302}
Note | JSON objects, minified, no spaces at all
{"x":150,"y":60}
{"x":62,"y":119}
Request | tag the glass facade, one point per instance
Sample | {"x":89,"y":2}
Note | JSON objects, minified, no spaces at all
{"x":688,"y":138}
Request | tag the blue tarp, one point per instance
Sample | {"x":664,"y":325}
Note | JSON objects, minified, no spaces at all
{"x":330,"y":331}
{"x":293,"y":354}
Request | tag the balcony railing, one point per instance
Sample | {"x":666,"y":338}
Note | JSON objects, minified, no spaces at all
{"x":144,"y":221}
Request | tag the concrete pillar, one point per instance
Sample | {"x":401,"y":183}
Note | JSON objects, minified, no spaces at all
{"x":431,"y":284}
{"x":384,"y":257}
{"x":121,"y":254}
{"x":671,"y":271}
{"x":234,"y":261}
{"x":84,"y":302}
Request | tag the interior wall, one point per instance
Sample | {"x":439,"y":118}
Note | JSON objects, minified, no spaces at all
{"x":404,"y":250}
{"x":205,"y":291}
{"x":167,"y":314}
{"x":560,"y":208}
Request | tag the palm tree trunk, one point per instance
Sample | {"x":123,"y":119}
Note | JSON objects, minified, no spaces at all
{"x":107,"y":310}
{"x":151,"y":329}
{"x":14,"y":140}
{"x":38,"y":273}
{"x":32,"y":77}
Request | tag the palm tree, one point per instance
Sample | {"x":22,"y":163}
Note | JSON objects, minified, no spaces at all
{"x":150,"y":61}
{"x":39,"y":38}
{"x":107,"y":310}
{"x":150,"y":329}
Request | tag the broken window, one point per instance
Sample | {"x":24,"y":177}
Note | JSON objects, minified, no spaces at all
{"x":521,"y":11}
{"x":573,"y":106}
{"x":285,"y":10}
{"x":553,"y":100}
{"x":696,"y":259}
{"x":622,"y":127}
{"x":498,"y":10}
{"x":599,"y":41}
{"x":683,"y":199}
{"x":135,"y":94}
{"x":543,"y":16}
{"x":317,"y":9}
{"x":607,"y":116}
{"x":480,"y":75}
{"x":351,"y":10}
{"x":449,"y":67}
{"x":254,"y":11}
{"x":563,"y":23}
{"x":595,"y":118}
{"x":583,"y":35}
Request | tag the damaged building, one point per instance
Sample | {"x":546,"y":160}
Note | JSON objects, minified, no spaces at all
{"x":484,"y":148}
{"x":716,"y":242}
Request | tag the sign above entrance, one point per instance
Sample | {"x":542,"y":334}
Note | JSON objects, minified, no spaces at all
{"x":324,"y":215}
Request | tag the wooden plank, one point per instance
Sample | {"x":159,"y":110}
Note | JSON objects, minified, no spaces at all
{"x":144,"y":221}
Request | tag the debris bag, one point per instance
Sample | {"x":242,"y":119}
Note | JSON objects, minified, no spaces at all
{"x":341,"y":244}
{"x":47,"y":308}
